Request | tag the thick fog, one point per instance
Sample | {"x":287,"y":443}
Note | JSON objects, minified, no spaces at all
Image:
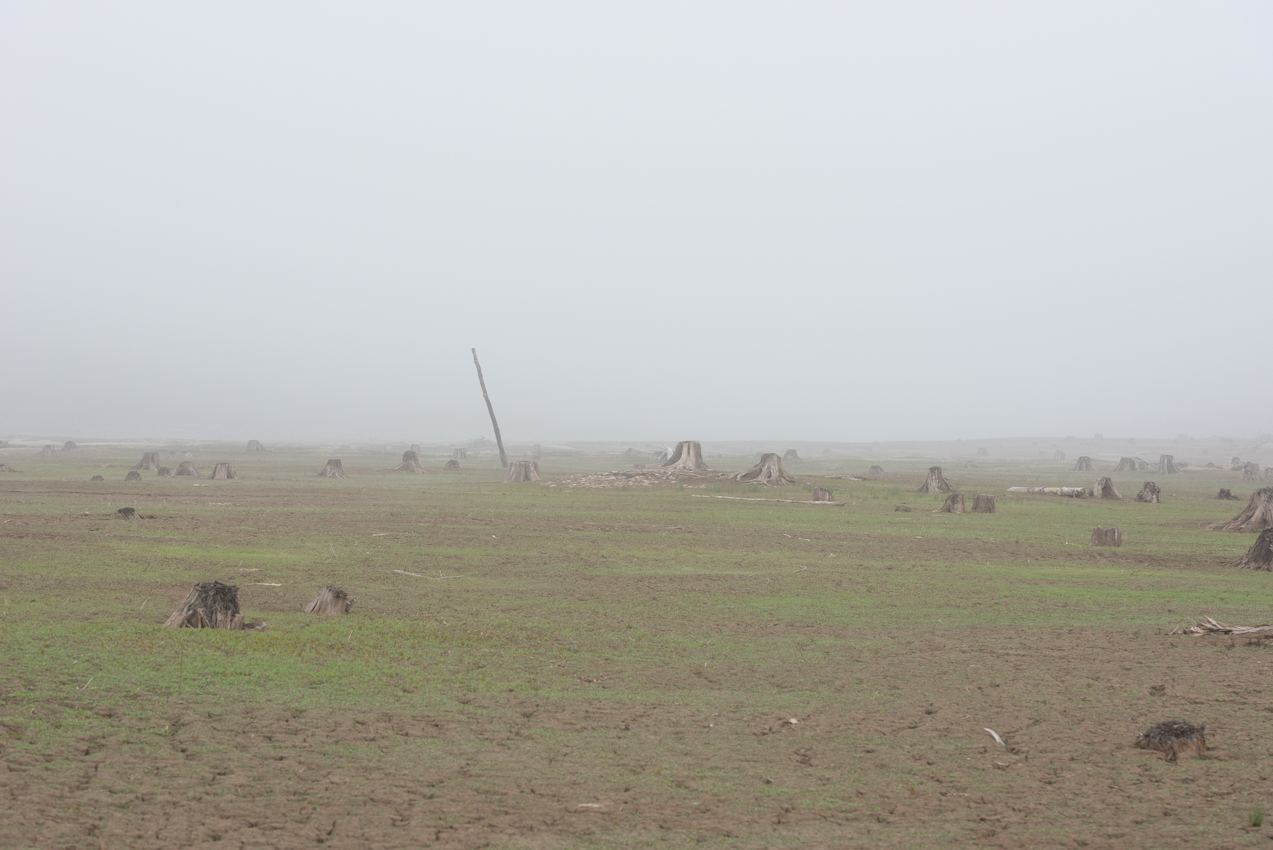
{"x":810,"y":221}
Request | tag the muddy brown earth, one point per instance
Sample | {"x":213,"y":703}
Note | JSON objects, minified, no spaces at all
{"x":599,"y":669}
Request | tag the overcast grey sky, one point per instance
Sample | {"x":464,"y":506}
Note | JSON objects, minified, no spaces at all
{"x":822,"y":221}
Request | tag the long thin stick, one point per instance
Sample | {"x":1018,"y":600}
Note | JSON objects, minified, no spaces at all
{"x":788,"y":501}
{"x":499,"y":441}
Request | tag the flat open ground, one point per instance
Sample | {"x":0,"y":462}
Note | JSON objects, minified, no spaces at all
{"x":579,"y":667}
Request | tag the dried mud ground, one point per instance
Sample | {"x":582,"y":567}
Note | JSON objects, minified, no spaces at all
{"x":570,"y":667}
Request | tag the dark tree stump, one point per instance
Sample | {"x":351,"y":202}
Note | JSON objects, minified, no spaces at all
{"x":164,"y":472}
{"x":1260,"y":555}
{"x":1257,"y":517}
{"x":935,"y":483}
{"x":983,"y":452}
{"x":332,"y":469}
{"x":69,"y":446}
{"x":1151,"y":492}
{"x":223,"y":472}
{"x":410,"y":463}
{"x":1226,"y":495}
{"x":1083,"y":464}
{"x":790,"y":456}
{"x":768,"y":471}
{"x":149,"y":462}
{"x":185,"y":469}
{"x":48,"y":451}
{"x":954,"y":504}
{"x":901,"y":509}
{"x":983,"y":504}
{"x":133,"y":476}
{"x":1127,"y":464}
{"x":209,"y":605}
{"x":452,"y":465}
{"x":1250,"y":472}
{"x":94,"y":478}
{"x":460,"y":454}
{"x":875,"y":470}
{"x":1104,"y":489}
{"x":330,"y":600}
{"x":255,"y":446}
{"x":821,"y":494}
{"x":1166,"y":465}
{"x":1106,"y":537}
{"x":126,"y":513}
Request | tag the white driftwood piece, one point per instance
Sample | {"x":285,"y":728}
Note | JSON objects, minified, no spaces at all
{"x":1072,"y":492}
{"x":1215,"y":627}
{"x":788,"y":501}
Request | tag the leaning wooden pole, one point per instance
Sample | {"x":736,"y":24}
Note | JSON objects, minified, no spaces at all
{"x":499,"y":441}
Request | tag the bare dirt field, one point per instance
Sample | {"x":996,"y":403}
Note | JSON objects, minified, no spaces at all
{"x":547,"y":665}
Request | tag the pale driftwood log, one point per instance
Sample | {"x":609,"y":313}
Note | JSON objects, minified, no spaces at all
{"x":149,"y":462}
{"x":1215,"y":627}
{"x":822,"y":494}
{"x":451,"y":465}
{"x":983,"y":504}
{"x":522,"y":470}
{"x":499,"y":441}
{"x":332,"y":469}
{"x":1260,"y":555}
{"x":954,"y":504}
{"x":209,"y":605}
{"x":185,"y":469}
{"x":1151,"y":492}
{"x":133,"y":475}
{"x":1104,"y":489}
{"x":756,"y":499}
{"x":1166,"y":465}
{"x":1083,"y":464}
{"x":875,"y":470}
{"x":1072,"y":492}
{"x":410,"y":463}
{"x":1257,"y":517}
{"x":223,"y":472}
{"x":1174,"y":738}
{"x":687,"y":455}
{"x":48,"y":451}
{"x":1106,"y":537}
{"x":768,"y":471}
{"x":1058,"y":455}
{"x":1127,"y":464}
{"x":935,"y":483}
{"x":1226,"y":495}
{"x":1250,"y":472}
{"x":790,"y":456}
{"x":255,"y":446}
{"x":69,"y":446}
{"x":330,"y":600}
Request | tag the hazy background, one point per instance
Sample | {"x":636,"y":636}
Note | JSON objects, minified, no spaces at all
{"x":810,"y":221}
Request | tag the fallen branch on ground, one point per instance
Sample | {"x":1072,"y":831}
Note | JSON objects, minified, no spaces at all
{"x":789,"y":501}
{"x":1215,"y":627}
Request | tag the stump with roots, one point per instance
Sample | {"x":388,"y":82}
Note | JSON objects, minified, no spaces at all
{"x":209,"y":605}
{"x":1260,"y":555}
{"x":164,"y":472}
{"x":410,"y":463}
{"x":255,"y":446}
{"x":875,"y":470}
{"x":149,"y":461}
{"x":333,"y":469}
{"x":94,"y":478}
{"x":1257,"y":517}
{"x":1058,"y":455}
{"x":983,"y":504}
{"x":330,"y":600}
{"x":1166,"y":465}
{"x":126,"y":513}
{"x":1250,"y":472}
{"x":460,"y":454}
{"x":1151,"y":492}
{"x":48,"y":451}
{"x":935,"y":483}
{"x":1127,"y":464}
{"x":185,"y":469}
{"x":1106,"y":537}
{"x":821,"y":494}
{"x":522,"y":470}
{"x":133,"y":475}
{"x":1174,"y":738}
{"x":223,"y":472}
{"x":1235,"y":463}
{"x":688,"y":454}
{"x":901,"y":509}
{"x":1104,"y":489}
{"x":983,"y":452}
{"x":768,"y":471}
{"x":1226,"y":494}
{"x":69,"y":446}
{"x":451,"y":465}
{"x":1083,"y":464}
{"x":954,"y":504}
{"x":790,"y":456}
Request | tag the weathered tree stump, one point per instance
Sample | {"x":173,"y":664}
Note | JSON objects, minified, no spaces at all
{"x":983,"y":452}
{"x":48,"y":451}
{"x":901,"y":509}
{"x":1226,"y":495}
{"x":954,"y":504}
{"x":522,"y":470}
{"x":1236,"y":464}
{"x":1260,"y":555}
{"x":164,"y":472}
{"x":149,"y":462}
{"x":1058,"y":455}
{"x":1083,"y":464}
{"x":133,"y":475}
{"x":1104,"y":489}
{"x":209,"y":605}
{"x":687,"y":455}
{"x":1250,"y":472}
{"x":451,"y":465}
{"x":983,"y":504}
{"x":332,"y":469}
{"x":790,"y":456}
{"x":1166,"y":465}
{"x":537,"y":452}
{"x":410,"y":463}
{"x":1257,"y":517}
{"x":255,"y":446}
{"x":330,"y":600}
{"x":1127,"y":464}
{"x":821,"y":494}
{"x":1151,"y":492}
{"x":69,"y":446}
{"x":94,"y":478}
{"x":185,"y":469}
{"x":875,"y":470}
{"x":126,"y":513}
{"x":460,"y":454}
{"x":768,"y":471}
{"x":1174,"y":738}
{"x":223,"y":472}
{"x":1106,"y":537}
{"x":935,"y":483}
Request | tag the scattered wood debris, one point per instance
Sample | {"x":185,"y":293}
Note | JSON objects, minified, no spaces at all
{"x":788,"y":501}
{"x":1215,"y":627}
